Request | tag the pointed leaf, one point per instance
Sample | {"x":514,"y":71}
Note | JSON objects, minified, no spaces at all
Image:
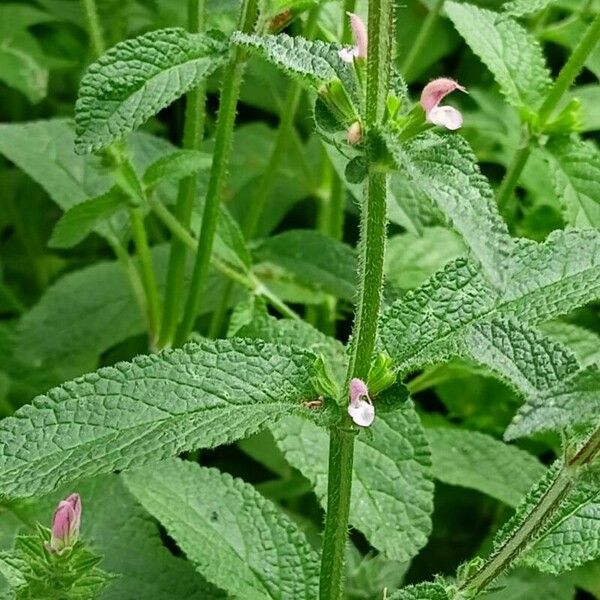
{"x":237,"y":539}
{"x":176,"y":166}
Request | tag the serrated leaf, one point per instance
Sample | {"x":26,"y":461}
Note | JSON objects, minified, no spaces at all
{"x":573,"y":401}
{"x":508,"y":50}
{"x":543,"y":281}
{"x":151,"y":408}
{"x":176,"y":166}
{"x":237,"y":539}
{"x":478,"y":461}
{"x":139,"y":77}
{"x":445,"y":169}
{"x":422,"y":591}
{"x":391,"y":491}
{"x":314,"y":62}
{"x":576,"y":167}
{"x":81,"y":220}
{"x":524,"y":8}
{"x":314,"y":259}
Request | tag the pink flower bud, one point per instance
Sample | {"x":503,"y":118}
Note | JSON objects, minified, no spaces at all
{"x":361,"y":38}
{"x":354,"y":134}
{"x":360,"y":407}
{"x":66,"y":523}
{"x":433,"y":93}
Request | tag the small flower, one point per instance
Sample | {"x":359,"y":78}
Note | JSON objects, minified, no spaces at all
{"x":359,"y":31}
{"x":354,"y":135}
{"x":360,"y":407}
{"x":433,"y":93}
{"x":66,"y":523}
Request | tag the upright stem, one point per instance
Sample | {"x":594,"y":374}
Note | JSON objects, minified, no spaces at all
{"x":188,"y":189}
{"x":421,"y":40}
{"x":370,"y":278}
{"x":535,"y":523}
{"x":563,"y":82}
{"x":94,"y":28}
{"x":349,"y":7}
{"x":230,"y":90}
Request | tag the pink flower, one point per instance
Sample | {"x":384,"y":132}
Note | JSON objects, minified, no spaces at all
{"x":354,"y":134}
{"x":360,"y":407}
{"x":359,"y":31}
{"x":433,"y":93}
{"x":66,"y":523}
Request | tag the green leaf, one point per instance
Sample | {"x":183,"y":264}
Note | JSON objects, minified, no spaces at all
{"x":314,"y":259}
{"x":585,"y":344}
{"x":422,"y":591}
{"x":238,"y":540}
{"x":445,"y":169}
{"x":139,"y":77}
{"x":543,"y":281}
{"x":573,"y":401}
{"x":507,"y":49}
{"x":81,"y":220}
{"x":576,"y":165}
{"x":524,"y":8}
{"x":411,"y":259}
{"x":478,"y":461}
{"x":149,"y":409}
{"x":391,"y":491}
{"x":176,"y":166}
{"x":313,"y":62}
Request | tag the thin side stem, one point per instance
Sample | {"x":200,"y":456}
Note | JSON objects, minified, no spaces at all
{"x":188,"y":189}
{"x":534,"y":525}
{"x":563,"y":82}
{"x":230,"y":90}
{"x":147,"y":270}
{"x":422,"y":39}
{"x":94,"y":28}
{"x":370,"y":278}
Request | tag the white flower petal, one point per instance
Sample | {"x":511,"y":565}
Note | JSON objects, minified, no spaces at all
{"x":445,"y":116}
{"x":362,"y":413}
{"x":348,"y":54}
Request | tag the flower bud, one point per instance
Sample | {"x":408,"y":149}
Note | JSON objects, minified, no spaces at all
{"x":361,"y":39}
{"x":354,"y":135}
{"x":66,"y":523}
{"x":360,"y":407}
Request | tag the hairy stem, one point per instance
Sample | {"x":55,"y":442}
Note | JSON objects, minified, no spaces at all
{"x":534,"y":525}
{"x":370,"y":278}
{"x":421,"y":40}
{"x":230,"y":90}
{"x":188,"y":189}
{"x":563,"y":82}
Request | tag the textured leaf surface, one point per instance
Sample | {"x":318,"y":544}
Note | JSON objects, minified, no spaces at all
{"x":391,"y":490}
{"x":523,"y":8}
{"x":585,"y":344}
{"x":151,"y":408}
{"x":576,"y":167}
{"x":543,"y":281}
{"x":445,"y":170}
{"x":422,"y":591}
{"x":81,"y":220}
{"x":573,"y":401}
{"x":512,"y":55}
{"x":145,"y":568}
{"x":137,"y":78}
{"x":478,"y":461}
{"x":238,"y":540}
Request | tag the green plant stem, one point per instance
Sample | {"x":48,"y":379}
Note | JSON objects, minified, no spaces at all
{"x":563,"y":82}
{"x":188,"y":189}
{"x":230,"y":90}
{"x":370,"y":278}
{"x":349,"y":7}
{"x":534,"y":525}
{"x":94,"y":28}
{"x":421,"y":40}
{"x":147,"y":271}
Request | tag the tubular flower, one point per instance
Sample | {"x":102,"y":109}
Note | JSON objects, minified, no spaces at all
{"x":66,"y":523}
{"x":360,"y":407}
{"x":433,"y":93}
{"x":359,"y":31}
